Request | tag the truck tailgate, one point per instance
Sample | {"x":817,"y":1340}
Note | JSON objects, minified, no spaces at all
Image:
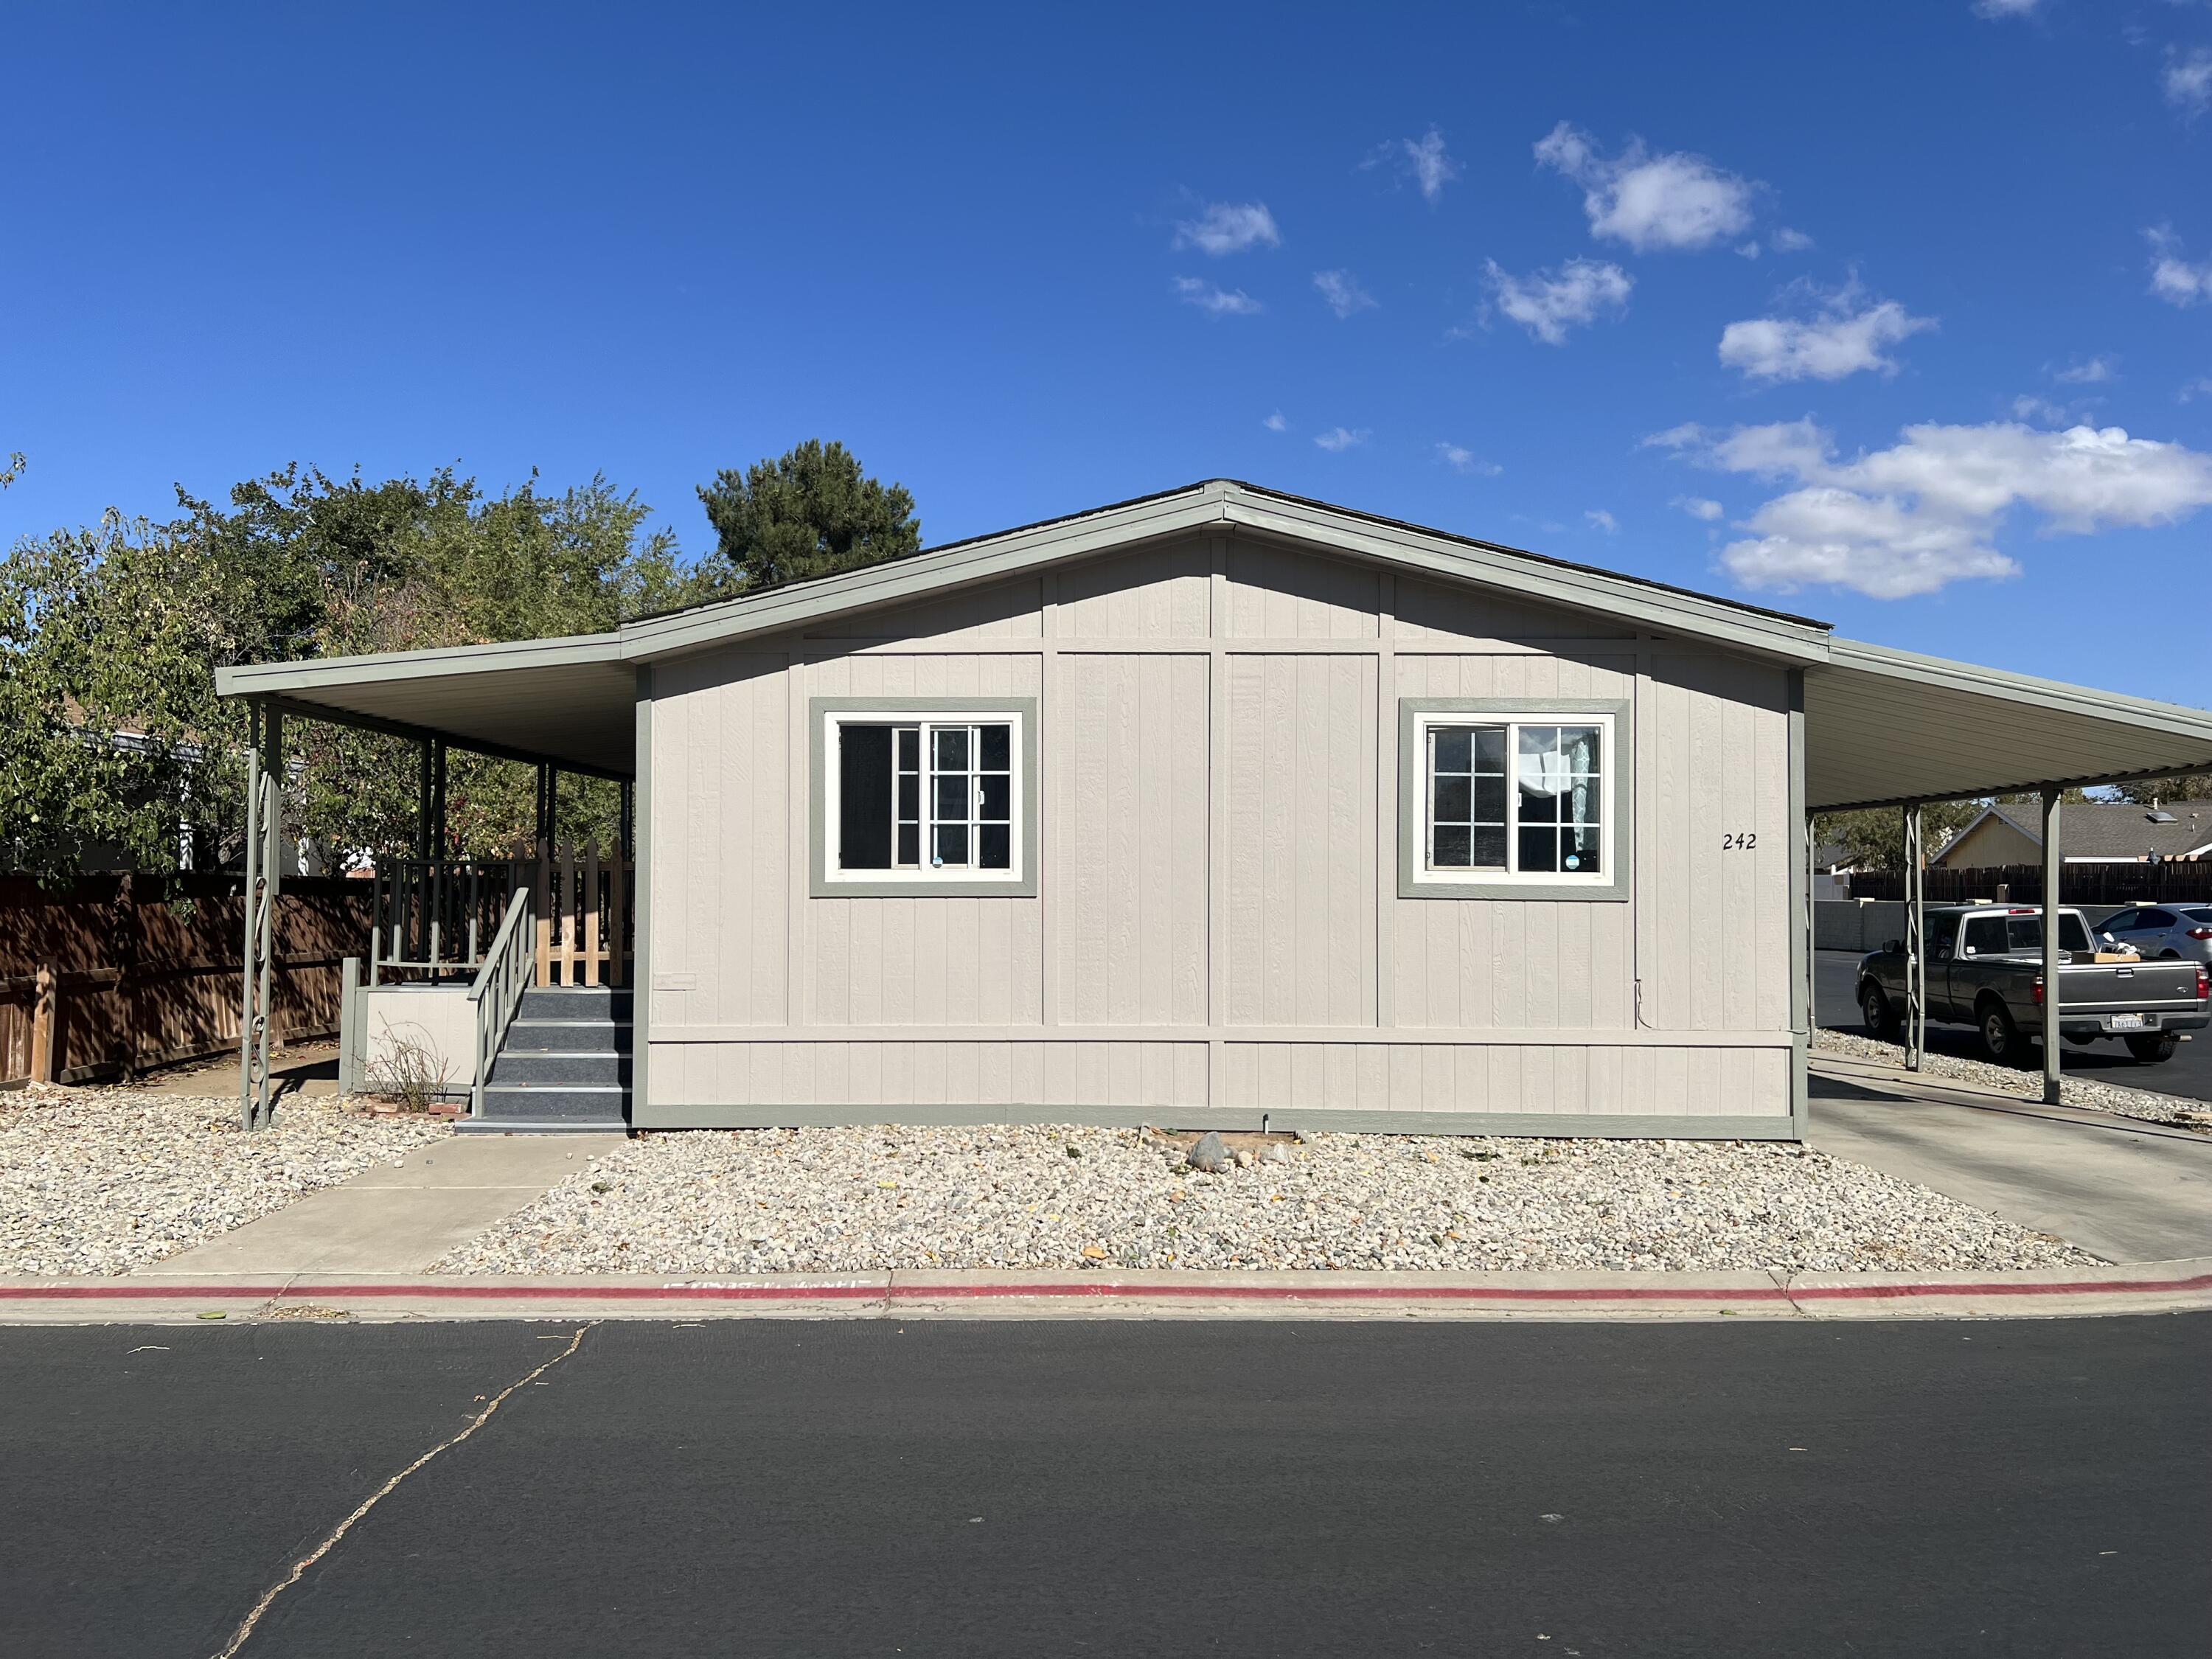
{"x":2168,"y":985}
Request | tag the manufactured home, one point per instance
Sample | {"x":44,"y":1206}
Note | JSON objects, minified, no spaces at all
{"x":1216,"y":807}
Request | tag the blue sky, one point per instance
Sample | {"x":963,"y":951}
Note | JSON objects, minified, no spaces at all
{"x":1895,"y":314}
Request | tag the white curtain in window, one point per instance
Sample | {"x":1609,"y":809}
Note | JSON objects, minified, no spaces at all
{"x":1542,"y":768}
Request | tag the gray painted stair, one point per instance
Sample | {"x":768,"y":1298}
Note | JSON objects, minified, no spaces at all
{"x":565,"y":1064}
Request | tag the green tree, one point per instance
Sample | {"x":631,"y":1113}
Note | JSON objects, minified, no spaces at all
{"x":810,"y":513}
{"x":109,"y":727}
{"x":2195,"y":786}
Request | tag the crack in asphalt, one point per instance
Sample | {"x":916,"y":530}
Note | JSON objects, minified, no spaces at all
{"x":246,"y":1625}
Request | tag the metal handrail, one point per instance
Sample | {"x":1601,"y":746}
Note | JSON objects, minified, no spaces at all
{"x":497,"y":989}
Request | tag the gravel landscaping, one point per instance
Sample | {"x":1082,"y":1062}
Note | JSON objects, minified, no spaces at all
{"x":2072,"y":1091}
{"x":854,"y":1200}
{"x":103,"y":1180}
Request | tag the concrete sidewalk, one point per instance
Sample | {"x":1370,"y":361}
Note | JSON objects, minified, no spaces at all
{"x":2126,"y":1190}
{"x":390,"y":1220}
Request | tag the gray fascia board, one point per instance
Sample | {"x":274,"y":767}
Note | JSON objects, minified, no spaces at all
{"x":1659,"y":610}
{"x":317,"y":673}
{"x":919,"y":577}
{"x":2176,"y":719}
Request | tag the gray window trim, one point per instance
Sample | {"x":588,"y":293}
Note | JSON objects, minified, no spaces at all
{"x":818,"y":827}
{"x":1621,"y":799}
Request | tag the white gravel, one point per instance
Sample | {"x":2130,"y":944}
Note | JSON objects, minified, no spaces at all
{"x":855,"y":1199}
{"x":103,"y":1180}
{"x":2081,"y":1092}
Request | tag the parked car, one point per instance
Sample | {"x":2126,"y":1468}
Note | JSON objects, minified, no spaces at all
{"x":2165,"y":930}
{"x":1985,"y":969}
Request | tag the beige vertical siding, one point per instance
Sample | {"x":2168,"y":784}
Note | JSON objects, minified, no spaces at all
{"x":1217,"y":930}
{"x":1300,"y":798}
{"x":1127,"y":827}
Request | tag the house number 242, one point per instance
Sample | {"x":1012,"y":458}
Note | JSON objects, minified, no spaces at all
{"x":1741,"y":841}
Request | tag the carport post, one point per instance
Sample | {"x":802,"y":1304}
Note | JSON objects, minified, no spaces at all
{"x":264,"y":844}
{"x":1916,"y":942}
{"x":2052,"y":956}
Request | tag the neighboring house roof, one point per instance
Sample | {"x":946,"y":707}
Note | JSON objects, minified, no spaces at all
{"x":1881,"y":725}
{"x":2109,"y":829}
{"x":1834,"y":856}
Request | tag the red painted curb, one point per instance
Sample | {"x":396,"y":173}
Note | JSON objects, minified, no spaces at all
{"x":450,"y":1290}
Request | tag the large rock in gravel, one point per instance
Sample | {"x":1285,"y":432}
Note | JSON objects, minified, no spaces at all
{"x":1211,"y":1154}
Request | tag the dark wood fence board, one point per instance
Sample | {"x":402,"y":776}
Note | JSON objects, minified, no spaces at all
{"x":147,"y":967}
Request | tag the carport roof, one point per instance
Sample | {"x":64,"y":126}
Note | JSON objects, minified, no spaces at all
{"x":1882,"y":727}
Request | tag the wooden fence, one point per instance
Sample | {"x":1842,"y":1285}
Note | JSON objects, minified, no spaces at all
{"x":584,"y":921}
{"x":433,"y":919}
{"x":2174,"y":881}
{"x":124,"y":972}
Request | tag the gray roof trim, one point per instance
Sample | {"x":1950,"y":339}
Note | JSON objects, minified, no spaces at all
{"x":1664,"y":609}
{"x":1222,"y":502}
{"x":1011,"y":553}
{"x":2180,"y":720}
{"x":260,"y":678}
{"x":922,"y":574}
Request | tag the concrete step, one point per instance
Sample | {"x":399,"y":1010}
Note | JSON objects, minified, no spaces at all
{"x":553,"y":1101}
{"x":523,"y":1068}
{"x":553,"y":1036}
{"x":576,"y":1002}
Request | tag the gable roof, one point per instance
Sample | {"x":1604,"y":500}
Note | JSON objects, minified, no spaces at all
{"x":1228,"y":503}
{"x":2107,"y":830}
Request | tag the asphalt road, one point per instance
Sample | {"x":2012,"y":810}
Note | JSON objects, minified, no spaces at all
{"x":1174,"y":1488}
{"x":1835,"y":979}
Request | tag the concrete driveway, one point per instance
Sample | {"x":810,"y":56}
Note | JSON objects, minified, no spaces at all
{"x":2127,"y":1190}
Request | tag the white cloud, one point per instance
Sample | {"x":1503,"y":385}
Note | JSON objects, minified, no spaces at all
{"x":1548,"y":305}
{"x":1431,"y":167}
{"x":1747,"y":250}
{"x":1342,"y":291}
{"x":1466,"y":461}
{"x":1675,"y":437}
{"x":2172,"y":278}
{"x":1783,"y":239}
{"x":1603,"y":520}
{"x":1275,"y":423}
{"x":1216,"y":301}
{"x":1230,"y":227}
{"x":1423,"y":160}
{"x":1675,"y":200}
{"x":2188,"y":81}
{"x":1339,"y":439}
{"x":1697,"y":506}
{"x":1924,"y":513}
{"x":1844,"y":337}
{"x":2005,"y":8}
{"x":2195,"y":389}
{"x":2029,"y":407}
{"x":2096,"y":372}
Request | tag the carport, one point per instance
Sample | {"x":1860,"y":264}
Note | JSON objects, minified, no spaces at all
{"x":1891,"y":728}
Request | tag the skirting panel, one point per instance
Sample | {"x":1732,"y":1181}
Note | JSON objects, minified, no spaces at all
{"x":1611,"y":1126}
{"x":1461,"y":1089}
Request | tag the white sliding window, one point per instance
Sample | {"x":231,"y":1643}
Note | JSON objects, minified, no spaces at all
{"x":921,"y":800}
{"x":1508,"y":799}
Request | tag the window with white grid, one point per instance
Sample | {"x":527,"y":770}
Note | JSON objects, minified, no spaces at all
{"x":917,"y":798}
{"x":1508,"y":797}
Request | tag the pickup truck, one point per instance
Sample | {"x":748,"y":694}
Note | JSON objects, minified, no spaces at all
{"x":1985,"y":969}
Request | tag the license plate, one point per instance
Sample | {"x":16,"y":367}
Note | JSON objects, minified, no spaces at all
{"x":2125,"y":1023}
